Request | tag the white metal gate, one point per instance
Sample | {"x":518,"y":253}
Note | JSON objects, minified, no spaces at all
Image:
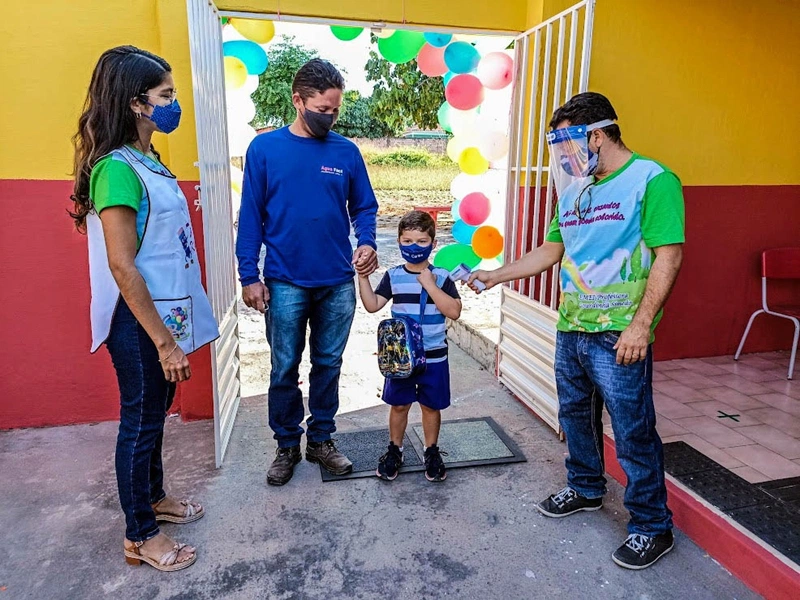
{"x":208,"y":82}
{"x":552,"y":61}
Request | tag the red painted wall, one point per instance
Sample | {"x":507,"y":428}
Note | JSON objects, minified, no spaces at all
{"x":727,"y":227}
{"x":47,"y":376}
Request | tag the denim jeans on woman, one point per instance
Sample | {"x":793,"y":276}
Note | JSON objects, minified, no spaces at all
{"x":329,"y":312}
{"x":145,"y":398}
{"x":588,"y":377}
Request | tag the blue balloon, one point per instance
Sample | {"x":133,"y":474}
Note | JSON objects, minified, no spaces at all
{"x":463,"y":233}
{"x":440,"y":40}
{"x":250,"y":53}
{"x":461,"y":57}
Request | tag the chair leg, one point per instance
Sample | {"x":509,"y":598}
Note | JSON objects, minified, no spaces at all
{"x":794,"y":346}
{"x":746,"y":332}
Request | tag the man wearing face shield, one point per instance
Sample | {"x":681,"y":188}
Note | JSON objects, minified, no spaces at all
{"x":304,"y":187}
{"x":618,"y":230}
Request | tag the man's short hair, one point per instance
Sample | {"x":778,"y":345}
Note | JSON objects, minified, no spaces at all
{"x":417,"y":220}
{"x":585,"y":109}
{"x":316,"y":76}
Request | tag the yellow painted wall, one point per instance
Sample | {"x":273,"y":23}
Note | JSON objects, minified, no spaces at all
{"x":507,"y":15}
{"x":701,"y":86}
{"x":48,"y":50}
{"x":711,"y":88}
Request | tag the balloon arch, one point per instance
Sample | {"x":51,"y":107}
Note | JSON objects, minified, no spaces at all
{"x":477,"y":78}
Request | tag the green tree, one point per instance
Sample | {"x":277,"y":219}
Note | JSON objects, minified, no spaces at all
{"x":273,"y":97}
{"x":356,"y":119}
{"x":402,"y":95}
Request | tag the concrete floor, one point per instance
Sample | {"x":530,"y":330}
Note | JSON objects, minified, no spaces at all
{"x":475,"y":536}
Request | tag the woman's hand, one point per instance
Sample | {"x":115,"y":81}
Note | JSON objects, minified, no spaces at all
{"x":175,"y":364}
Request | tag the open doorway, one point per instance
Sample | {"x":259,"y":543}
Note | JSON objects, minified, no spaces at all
{"x":459,"y":158}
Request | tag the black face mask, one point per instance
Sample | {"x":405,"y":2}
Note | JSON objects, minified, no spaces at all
{"x":319,"y":124}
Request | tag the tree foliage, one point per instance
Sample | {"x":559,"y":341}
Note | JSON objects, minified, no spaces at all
{"x":402,"y":95}
{"x":273,"y":97}
{"x":356,"y":119}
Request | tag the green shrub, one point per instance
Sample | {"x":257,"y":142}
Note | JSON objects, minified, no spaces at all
{"x":400,"y":157}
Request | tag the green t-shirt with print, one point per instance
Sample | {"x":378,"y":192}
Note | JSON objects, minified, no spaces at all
{"x":114,"y":183}
{"x":608,"y":251}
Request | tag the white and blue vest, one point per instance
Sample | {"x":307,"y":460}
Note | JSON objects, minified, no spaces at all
{"x":167,"y":259}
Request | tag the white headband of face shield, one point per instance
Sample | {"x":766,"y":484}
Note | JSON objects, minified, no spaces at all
{"x":570,"y":157}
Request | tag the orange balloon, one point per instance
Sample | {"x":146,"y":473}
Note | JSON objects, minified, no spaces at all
{"x":487,"y":242}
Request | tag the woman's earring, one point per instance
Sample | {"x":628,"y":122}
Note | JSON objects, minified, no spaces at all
{"x":138,"y":115}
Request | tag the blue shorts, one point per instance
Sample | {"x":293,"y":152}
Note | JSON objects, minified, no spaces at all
{"x":431,"y":388}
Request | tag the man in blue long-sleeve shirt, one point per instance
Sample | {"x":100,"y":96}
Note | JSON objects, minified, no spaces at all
{"x":303,"y":188}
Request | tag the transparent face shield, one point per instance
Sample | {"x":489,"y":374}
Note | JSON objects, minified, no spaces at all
{"x":570,"y":157}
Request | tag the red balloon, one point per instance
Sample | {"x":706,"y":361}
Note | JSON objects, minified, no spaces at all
{"x":496,"y":70}
{"x":474,"y":208}
{"x":430,"y":61}
{"x":464,"y":92}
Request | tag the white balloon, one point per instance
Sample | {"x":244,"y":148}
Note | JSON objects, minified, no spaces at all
{"x":464,"y":184}
{"x":250,"y":84}
{"x":489,"y":264}
{"x":241,"y":108}
{"x":493,"y":145}
{"x":463,"y":122}
{"x":239,"y":138}
{"x":383,"y":33}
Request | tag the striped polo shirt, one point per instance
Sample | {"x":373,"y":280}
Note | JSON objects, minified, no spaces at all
{"x":401,"y":287}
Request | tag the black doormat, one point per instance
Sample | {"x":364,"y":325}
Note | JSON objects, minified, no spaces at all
{"x":468,"y":443}
{"x":770,"y":510}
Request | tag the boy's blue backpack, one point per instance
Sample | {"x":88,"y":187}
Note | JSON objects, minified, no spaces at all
{"x":401,"y":352}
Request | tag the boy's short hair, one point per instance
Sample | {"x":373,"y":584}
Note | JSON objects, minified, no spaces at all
{"x":417,"y":220}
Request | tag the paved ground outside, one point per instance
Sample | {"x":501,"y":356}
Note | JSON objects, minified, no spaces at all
{"x":475,"y":536}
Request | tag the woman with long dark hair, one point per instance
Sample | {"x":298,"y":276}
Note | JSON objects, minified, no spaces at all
{"x":148,"y":304}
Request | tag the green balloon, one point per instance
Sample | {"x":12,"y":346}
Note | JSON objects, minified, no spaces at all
{"x":449,"y":257}
{"x":444,"y":117}
{"x":401,"y":47}
{"x":346,"y":33}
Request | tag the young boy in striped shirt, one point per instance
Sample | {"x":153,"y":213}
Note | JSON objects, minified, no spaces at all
{"x":403,"y":285}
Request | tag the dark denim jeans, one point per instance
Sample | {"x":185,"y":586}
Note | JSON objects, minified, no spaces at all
{"x":588,"y":377}
{"x":329,"y":311}
{"x":145,"y":398}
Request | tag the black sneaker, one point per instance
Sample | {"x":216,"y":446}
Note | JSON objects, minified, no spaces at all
{"x":640,"y":551}
{"x":390,"y":463}
{"x":434,"y":465}
{"x":567,"y":502}
{"x":282,"y":467}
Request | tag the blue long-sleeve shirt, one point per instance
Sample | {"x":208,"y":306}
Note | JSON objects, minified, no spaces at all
{"x":299,"y":198}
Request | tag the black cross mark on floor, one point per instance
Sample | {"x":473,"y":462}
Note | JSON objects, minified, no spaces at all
{"x":724,"y":415}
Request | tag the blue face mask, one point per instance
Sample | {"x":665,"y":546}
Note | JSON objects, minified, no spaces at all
{"x":415,"y":254}
{"x":166,"y":117}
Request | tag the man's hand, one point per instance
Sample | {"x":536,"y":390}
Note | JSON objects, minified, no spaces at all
{"x":256,"y":295}
{"x":632,"y":344}
{"x":365,"y":260}
{"x":427,"y":278}
{"x":484,"y":277}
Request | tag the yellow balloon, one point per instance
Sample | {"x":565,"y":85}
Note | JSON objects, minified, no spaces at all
{"x":257,"y":30}
{"x":235,"y":73}
{"x":472,"y":162}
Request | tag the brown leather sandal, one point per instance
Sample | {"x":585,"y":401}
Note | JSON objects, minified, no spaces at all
{"x":193,"y":512}
{"x":167,"y":562}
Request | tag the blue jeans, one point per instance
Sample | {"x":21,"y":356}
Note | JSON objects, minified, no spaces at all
{"x":588,"y":377}
{"x":145,"y":398}
{"x":329,"y":311}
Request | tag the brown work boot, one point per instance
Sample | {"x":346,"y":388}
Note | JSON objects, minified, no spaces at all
{"x":282,"y":467}
{"x":326,"y":454}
